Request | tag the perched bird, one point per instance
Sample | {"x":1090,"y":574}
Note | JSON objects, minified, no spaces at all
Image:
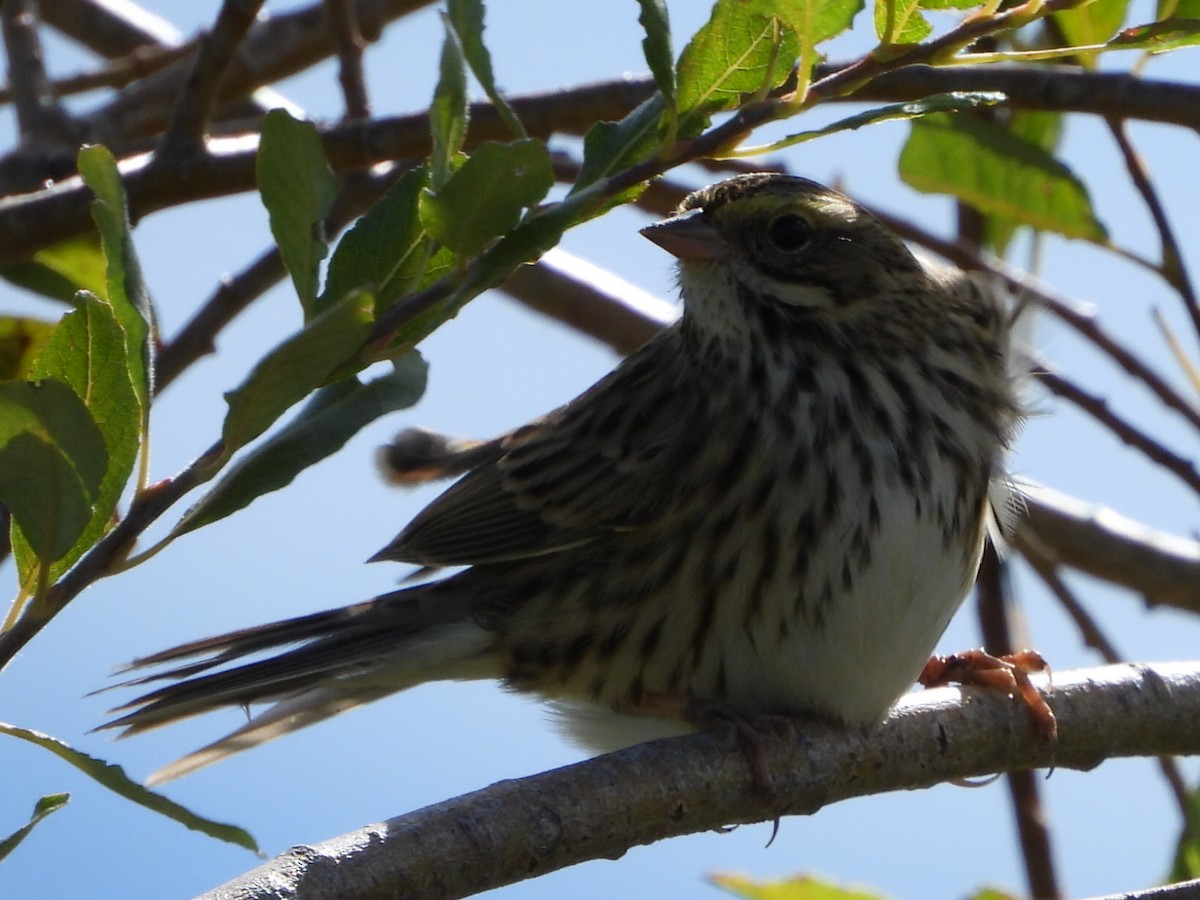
{"x":773,"y":507}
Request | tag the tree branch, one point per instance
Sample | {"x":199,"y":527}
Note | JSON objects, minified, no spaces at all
{"x":1076,"y":315}
{"x":31,"y":221}
{"x":1095,"y":638}
{"x":343,"y":20}
{"x":1098,"y":408}
{"x":274,"y":49}
{"x":141,"y":44}
{"x":601,"y":808}
{"x":590,"y":300}
{"x":1163,"y":568}
{"x":184,"y":135}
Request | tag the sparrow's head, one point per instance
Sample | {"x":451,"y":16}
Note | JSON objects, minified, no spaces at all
{"x":787,"y":242}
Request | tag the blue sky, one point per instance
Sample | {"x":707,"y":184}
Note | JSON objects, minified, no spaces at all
{"x":492,"y":368}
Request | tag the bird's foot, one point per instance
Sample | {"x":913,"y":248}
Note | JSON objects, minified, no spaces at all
{"x":751,"y":730}
{"x":1010,"y":673}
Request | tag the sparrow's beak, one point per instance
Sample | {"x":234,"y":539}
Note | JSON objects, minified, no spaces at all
{"x":689,"y":236}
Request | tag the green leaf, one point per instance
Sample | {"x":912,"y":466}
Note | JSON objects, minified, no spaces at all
{"x":900,"y":22}
{"x":46,"y":805}
{"x":610,"y":147}
{"x":485,"y":198}
{"x":999,"y":174}
{"x":657,"y":46}
{"x":295,"y":368}
{"x":1181,"y":9}
{"x":814,"y":21}
{"x":20,"y":341}
{"x":740,"y":50}
{"x":525,"y":243}
{"x":114,"y":778}
{"x":938,"y":103}
{"x":1159,"y":37}
{"x":448,"y":112}
{"x":467,"y":18}
{"x":1092,"y":23}
{"x":802,"y":887}
{"x":334,"y":415}
{"x":58,"y":271}
{"x":52,"y":459}
{"x":298,"y":189}
{"x":87,"y":351}
{"x":387,"y":252}
{"x":1186,"y":865}
{"x":40,"y":487}
{"x":125,"y":289}
{"x":1040,"y":128}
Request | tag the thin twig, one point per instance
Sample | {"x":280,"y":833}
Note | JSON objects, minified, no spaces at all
{"x":197,"y":338}
{"x":1003,"y":634}
{"x":1089,"y":629}
{"x":1070,"y":313}
{"x":39,"y":116}
{"x":108,"y":552}
{"x":343,"y":17}
{"x":118,"y":73}
{"x":1095,"y":637}
{"x":1172,"y":267}
{"x":184,"y":135}
{"x":274,"y":49}
{"x":1097,"y":407}
{"x":124,"y":31}
{"x":50,"y":136}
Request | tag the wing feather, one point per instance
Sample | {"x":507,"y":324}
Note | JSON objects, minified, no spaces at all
{"x":605,"y":462}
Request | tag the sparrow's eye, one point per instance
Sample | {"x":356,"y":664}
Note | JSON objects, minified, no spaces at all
{"x":789,"y":232}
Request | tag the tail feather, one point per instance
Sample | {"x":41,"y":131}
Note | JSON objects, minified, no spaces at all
{"x":336,"y":660}
{"x":286,"y":716}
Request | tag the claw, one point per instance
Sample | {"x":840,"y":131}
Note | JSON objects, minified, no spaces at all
{"x":1009,"y":673}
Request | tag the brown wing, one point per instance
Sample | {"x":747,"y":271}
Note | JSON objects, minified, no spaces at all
{"x":607,"y":461}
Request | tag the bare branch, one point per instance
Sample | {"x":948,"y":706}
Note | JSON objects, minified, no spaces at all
{"x":49,"y":136}
{"x":1082,"y":320}
{"x":350,"y":44}
{"x":1095,"y":637}
{"x":197,"y":338}
{"x":1051,"y":88}
{"x":527,"y":827}
{"x":31,"y":221}
{"x":590,"y":300}
{"x":1184,"y":890}
{"x":1003,"y":633}
{"x":274,"y":49}
{"x":1163,"y":568}
{"x":1172,"y":267}
{"x":111,"y":30}
{"x":184,"y":136}
{"x":141,"y":44}
{"x":120,"y":72}
{"x":1097,"y":407}
{"x":39,"y":115}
